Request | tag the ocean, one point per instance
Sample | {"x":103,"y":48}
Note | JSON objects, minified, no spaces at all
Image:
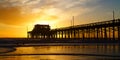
{"x":66,"y":51}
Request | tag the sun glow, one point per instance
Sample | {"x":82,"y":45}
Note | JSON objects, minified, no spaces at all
{"x":44,"y":22}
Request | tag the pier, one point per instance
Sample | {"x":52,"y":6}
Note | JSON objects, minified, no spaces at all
{"x":108,"y":30}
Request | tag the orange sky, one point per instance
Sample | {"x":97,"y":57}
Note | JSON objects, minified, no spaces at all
{"x":18,"y":15}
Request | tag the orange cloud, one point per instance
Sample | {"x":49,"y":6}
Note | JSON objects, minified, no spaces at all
{"x":13,"y":16}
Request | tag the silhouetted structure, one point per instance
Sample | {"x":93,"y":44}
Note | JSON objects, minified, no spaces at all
{"x":40,"y":31}
{"x":99,"y":30}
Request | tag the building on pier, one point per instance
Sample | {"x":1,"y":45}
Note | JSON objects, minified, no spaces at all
{"x":99,"y":30}
{"x":39,"y":31}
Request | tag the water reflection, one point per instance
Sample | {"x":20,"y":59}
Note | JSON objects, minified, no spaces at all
{"x":6,"y":49}
{"x":56,"y":57}
{"x":80,"y":52}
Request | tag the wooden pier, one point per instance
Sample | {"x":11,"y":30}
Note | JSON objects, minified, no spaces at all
{"x":100,"y":30}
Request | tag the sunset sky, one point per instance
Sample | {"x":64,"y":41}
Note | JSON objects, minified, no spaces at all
{"x":18,"y":15}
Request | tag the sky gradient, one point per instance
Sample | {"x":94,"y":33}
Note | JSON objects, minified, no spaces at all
{"x":18,"y":16}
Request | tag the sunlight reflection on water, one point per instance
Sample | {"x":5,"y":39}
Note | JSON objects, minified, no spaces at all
{"x":110,"y":49}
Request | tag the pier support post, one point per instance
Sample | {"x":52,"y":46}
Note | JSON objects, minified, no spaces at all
{"x":109,"y":33}
{"x":118,"y":32}
{"x":83,"y":34}
{"x":94,"y":33}
{"x":105,"y":33}
{"x":74,"y":33}
{"x":97,"y":32}
{"x":89,"y":33}
{"x":56,"y":33}
{"x":62,"y":34}
{"x":71,"y":33}
{"x":65,"y":33}
{"x":101,"y":32}
{"x":113,"y":32}
{"x":68,"y":34}
{"x":78,"y":33}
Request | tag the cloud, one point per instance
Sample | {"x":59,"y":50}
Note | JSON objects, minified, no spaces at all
{"x":23,"y":11}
